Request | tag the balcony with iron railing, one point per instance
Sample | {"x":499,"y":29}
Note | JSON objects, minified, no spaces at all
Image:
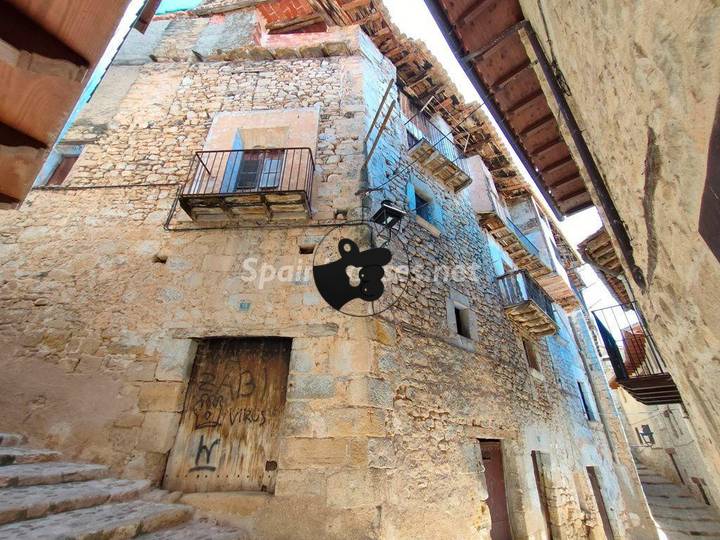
{"x":634,"y":356}
{"x":434,"y":149}
{"x":495,"y":218}
{"x":526,"y":303}
{"x":272,"y":184}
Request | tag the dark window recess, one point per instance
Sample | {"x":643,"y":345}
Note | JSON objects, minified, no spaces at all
{"x":259,"y":169}
{"x":530,"y":354}
{"x":588,"y":411}
{"x":62,"y":170}
{"x":462,"y":321}
{"x":709,"y":225}
{"x":423,"y":207}
{"x":412,"y":139}
{"x":646,"y":435}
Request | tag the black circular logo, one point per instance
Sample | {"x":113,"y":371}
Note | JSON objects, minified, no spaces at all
{"x":361,"y":268}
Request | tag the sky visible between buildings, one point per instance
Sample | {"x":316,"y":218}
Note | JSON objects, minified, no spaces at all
{"x":414,"y":19}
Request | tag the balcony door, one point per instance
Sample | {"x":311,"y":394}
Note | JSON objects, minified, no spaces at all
{"x":259,"y":169}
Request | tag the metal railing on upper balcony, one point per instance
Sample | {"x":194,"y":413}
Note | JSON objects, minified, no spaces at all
{"x":503,"y":214}
{"x":628,"y":341}
{"x":443,"y":142}
{"x":228,"y":172}
{"x":518,"y":287}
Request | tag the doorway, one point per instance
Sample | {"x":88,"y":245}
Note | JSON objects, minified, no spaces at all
{"x":541,"y":486}
{"x":228,"y":434}
{"x":597,"y":492}
{"x":492,"y":463}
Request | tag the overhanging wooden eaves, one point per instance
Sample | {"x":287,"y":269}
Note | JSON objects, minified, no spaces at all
{"x":597,"y":250}
{"x":419,"y":73}
{"x":486,"y":38}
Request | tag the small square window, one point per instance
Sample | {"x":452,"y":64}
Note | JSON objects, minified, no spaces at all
{"x":531,"y":354}
{"x":462,"y":321}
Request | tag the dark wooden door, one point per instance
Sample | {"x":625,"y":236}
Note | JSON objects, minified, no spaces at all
{"x":597,"y":492}
{"x":497,"y":497}
{"x":228,"y":433}
{"x":541,"y":485}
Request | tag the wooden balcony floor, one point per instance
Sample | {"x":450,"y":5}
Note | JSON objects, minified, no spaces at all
{"x":262,"y":206}
{"x":652,"y":389}
{"x":532,"y":318}
{"x":439,"y":165}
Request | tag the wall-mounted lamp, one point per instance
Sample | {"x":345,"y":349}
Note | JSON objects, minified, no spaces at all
{"x":388,"y":215}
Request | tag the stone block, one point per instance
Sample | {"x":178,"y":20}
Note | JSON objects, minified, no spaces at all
{"x":236,"y":503}
{"x":313,"y":453}
{"x":176,"y":358}
{"x":350,"y":356}
{"x":349,"y":489}
{"x":161,"y":396}
{"x":355,"y":421}
{"x":370,"y":392}
{"x":294,"y":483}
{"x":158,"y":431}
{"x":302,"y":386}
{"x":381,"y":453}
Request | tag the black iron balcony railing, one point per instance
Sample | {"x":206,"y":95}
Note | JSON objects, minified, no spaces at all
{"x":271,"y":183}
{"x":518,"y":287}
{"x":245,"y":171}
{"x":442,"y":142}
{"x":634,"y":356}
{"x":504,"y":215}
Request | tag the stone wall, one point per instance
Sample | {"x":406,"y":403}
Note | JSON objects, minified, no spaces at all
{"x":644,"y":89}
{"x":103,"y":305}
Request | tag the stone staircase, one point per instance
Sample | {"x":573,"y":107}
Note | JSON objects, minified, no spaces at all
{"x":677,"y":513}
{"x":42,"y":497}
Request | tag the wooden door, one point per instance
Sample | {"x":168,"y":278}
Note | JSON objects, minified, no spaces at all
{"x":597,"y":492}
{"x":541,"y":485}
{"x":228,"y":434}
{"x":495,"y":482}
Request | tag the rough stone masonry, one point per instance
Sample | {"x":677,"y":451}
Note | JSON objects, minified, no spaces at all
{"x":105,"y":305}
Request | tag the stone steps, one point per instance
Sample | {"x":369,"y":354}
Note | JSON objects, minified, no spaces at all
{"x":117,"y":520}
{"x":49,"y":473}
{"x":197,"y":530}
{"x":676,"y":512}
{"x":41,"y":498}
{"x":11,"y":439}
{"x":38,"y":501}
{"x":10,"y":455}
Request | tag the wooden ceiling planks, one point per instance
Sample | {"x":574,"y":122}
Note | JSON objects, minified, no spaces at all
{"x":489,"y":32}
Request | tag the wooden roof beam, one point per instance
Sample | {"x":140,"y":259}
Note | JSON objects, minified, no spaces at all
{"x":555,"y":165}
{"x":547,"y":146}
{"x":510,"y":76}
{"x":524,"y":102}
{"x":469,"y":13}
{"x":538,"y":125}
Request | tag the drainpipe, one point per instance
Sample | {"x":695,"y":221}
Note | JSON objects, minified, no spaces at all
{"x":593,"y":173}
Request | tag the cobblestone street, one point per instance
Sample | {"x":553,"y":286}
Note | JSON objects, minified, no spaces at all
{"x":677,"y":513}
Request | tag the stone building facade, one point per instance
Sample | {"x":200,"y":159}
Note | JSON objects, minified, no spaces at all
{"x":645,"y":96}
{"x":441,"y":417}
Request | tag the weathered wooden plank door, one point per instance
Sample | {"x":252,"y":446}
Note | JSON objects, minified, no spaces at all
{"x":228,"y":434}
{"x":495,"y":482}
